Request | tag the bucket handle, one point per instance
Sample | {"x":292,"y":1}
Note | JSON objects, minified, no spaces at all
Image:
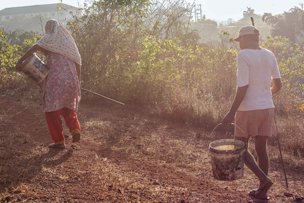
{"x":220,"y":124}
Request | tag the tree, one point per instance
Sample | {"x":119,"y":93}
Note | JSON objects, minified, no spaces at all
{"x":106,"y":32}
{"x":248,"y":13}
{"x":110,"y":33}
{"x":289,"y":24}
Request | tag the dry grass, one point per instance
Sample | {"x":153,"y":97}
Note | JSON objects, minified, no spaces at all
{"x":291,"y":135}
{"x":124,"y":156}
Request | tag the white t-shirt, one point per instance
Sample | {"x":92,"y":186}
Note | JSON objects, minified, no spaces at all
{"x":256,"y":68}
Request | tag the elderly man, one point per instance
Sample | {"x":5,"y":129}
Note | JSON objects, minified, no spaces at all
{"x":258,"y":78}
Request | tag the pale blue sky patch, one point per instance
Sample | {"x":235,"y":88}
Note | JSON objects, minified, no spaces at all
{"x":219,"y":10}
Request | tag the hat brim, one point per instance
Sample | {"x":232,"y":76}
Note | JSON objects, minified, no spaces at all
{"x":238,"y":39}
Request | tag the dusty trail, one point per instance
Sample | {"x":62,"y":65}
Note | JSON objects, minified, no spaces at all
{"x":124,"y":156}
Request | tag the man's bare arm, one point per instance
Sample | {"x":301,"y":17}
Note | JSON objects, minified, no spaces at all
{"x":239,"y":96}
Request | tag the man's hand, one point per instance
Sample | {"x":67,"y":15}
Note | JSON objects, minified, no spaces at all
{"x":239,"y":96}
{"x":229,"y":118}
{"x":276,"y":85}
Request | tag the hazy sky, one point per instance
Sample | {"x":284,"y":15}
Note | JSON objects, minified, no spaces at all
{"x":219,"y":10}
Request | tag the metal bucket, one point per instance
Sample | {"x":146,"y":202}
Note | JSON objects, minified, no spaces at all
{"x":35,"y":68}
{"x":227,"y":159}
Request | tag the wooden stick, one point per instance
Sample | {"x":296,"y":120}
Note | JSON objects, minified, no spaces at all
{"x":280,"y":150}
{"x":90,"y":91}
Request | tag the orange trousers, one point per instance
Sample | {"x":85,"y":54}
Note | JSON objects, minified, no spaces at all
{"x":55,"y":124}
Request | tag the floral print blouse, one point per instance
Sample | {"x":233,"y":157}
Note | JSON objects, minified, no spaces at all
{"x":61,"y":87}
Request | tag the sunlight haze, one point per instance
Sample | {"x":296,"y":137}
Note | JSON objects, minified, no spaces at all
{"x":218,"y":10}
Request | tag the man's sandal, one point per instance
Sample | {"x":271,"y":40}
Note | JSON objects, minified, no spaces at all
{"x":252,"y":194}
{"x":261,"y":192}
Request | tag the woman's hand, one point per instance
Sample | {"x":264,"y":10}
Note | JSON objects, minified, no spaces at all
{"x":28,"y":53}
{"x":19,"y":65}
{"x":78,"y":70}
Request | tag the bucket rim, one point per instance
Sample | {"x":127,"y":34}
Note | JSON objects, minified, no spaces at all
{"x":240,"y":146}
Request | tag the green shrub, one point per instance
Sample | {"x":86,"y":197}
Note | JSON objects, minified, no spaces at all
{"x":165,"y":69}
{"x":9,"y":55}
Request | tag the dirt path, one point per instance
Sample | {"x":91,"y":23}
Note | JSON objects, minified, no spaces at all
{"x":124,"y":156}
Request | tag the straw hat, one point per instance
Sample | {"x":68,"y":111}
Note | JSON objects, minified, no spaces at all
{"x":247,"y":30}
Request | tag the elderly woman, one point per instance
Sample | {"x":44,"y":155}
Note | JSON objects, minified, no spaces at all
{"x":61,"y":88}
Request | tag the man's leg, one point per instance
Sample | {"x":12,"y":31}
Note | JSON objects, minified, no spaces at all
{"x":265,"y":182}
{"x":251,"y":163}
{"x":261,"y":150}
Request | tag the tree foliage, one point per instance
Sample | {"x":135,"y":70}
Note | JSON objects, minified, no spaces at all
{"x":110,"y":35}
{"x":290,"y":24}
{"x":141,"y":52}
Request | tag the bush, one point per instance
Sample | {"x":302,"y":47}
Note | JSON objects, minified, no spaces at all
{"x":9,"y":55}
{"x":165,"y":69}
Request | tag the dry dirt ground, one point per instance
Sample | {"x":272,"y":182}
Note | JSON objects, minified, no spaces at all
{"x":125,"y":155}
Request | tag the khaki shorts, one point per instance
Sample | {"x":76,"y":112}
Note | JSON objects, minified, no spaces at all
{"x":253,"y":123}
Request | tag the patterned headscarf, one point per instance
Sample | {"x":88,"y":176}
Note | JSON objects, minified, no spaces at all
{"x":58,"y":39}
